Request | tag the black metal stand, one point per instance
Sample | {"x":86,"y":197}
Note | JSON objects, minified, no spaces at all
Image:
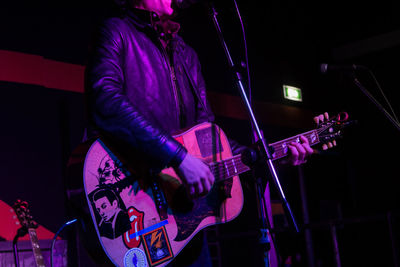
{"x":263,"y":146}
{"x":20,"y":233}
{"x":265,"y":226}
{"x":306,"y":219}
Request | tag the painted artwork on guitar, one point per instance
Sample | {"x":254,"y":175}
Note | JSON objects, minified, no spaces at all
{"x":150,"y":223}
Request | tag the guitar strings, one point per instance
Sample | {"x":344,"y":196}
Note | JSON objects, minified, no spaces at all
{"x":228,"y":168}
{"x":233,"y":166}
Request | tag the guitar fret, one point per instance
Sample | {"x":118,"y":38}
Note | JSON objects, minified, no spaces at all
{"x":36,"y":248}
{"x":234,"y":166}
{"x":281,"y":148}
{"x":226,"y":168}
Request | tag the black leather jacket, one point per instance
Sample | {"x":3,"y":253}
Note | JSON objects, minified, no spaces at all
{"x":131,"y":91}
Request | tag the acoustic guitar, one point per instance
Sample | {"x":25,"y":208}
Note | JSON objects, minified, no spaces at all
{"x":146,"y":220}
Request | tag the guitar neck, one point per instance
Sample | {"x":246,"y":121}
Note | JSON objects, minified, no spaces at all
{"x":233,"y":166}
{"x":36,"y":248}
{"x":280,"y":149}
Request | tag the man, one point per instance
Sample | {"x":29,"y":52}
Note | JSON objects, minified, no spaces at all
{"x":144,"y":83}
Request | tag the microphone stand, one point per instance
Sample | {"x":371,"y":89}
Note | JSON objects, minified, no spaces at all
{"x":377,"y":104}
{"x":262,"y":145}
{"x":20,"y":233}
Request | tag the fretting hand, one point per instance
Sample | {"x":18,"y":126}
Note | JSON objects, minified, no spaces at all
{"x":299,"y":152}
{"x":320,"y":119}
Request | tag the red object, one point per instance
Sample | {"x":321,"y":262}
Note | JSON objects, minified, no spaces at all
{"x":9,"y":225}
{"x":32,"y":69}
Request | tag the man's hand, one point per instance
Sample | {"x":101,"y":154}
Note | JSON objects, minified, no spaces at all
{"x":319,"y":119}
{"x":195,"y":175}
{"x":301,"y":151}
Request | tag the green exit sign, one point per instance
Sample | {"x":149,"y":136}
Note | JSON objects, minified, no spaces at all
{"x":292,"y":93}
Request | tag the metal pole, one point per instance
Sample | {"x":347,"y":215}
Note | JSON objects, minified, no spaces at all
{"x":395,"y":251}
{"x":335,"y":245}
{"x":306,"y":218}
{"x":20,"y":233}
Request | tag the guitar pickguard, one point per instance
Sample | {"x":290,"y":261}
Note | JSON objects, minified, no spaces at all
{"x":187,"y":222}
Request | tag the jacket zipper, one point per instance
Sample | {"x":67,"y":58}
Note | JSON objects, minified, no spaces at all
{"x":173,"y":82}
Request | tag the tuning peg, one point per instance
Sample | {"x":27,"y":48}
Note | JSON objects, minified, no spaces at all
{"x":342,"y":116}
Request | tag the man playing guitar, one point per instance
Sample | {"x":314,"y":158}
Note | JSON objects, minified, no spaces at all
{"x":143,"y":84}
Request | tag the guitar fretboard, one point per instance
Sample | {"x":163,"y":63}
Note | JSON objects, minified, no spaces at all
{"x":280,"y":149}
{"x":35,"y":247}
{"x":228,"y":168}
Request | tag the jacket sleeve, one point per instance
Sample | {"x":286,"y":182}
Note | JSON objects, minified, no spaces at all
{"x":110,"y":109}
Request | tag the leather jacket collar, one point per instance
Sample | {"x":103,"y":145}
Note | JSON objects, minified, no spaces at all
{"x":144,"y":18}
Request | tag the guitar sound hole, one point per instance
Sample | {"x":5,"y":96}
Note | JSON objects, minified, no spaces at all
{"x":181,"y":202}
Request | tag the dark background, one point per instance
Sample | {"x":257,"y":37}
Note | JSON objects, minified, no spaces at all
{"x":287,"y":41}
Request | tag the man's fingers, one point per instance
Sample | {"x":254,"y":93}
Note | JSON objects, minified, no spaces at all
{"x":301,"y":151}
{"x":206,"y":185}
{"x":211,"y":178}
{"x":294,"y":155}
{"x":191,"y":190}
{"x":321,"y":118}
{"x":308,"y":150}
{"x":208,"y":182}
{"x":199,"y":189}
{"x":306,"y":145}
{"x":329,"y":145}
{"x":196,"y":176}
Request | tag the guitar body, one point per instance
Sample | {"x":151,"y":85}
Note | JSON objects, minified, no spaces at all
{"x":147,"y":221}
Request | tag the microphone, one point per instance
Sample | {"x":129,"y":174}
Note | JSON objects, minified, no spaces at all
{"x":328,"y":67}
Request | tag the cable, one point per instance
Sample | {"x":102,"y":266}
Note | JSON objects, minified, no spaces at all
{"x":55,"y":238}
{"x":246,"y":54}
{"x":384,"y":96}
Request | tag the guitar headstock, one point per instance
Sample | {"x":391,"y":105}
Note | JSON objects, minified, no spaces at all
{"x":22,"y":211}
{"x":332,"y":129}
